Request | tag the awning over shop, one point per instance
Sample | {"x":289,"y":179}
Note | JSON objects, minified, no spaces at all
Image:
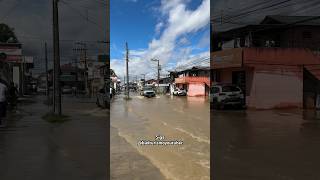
{"x":262,"y":57}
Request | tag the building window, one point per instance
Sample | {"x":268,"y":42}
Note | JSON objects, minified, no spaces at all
{"x":270,"y":43}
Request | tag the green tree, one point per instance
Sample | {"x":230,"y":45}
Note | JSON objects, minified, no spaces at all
{"x":7,"y":34}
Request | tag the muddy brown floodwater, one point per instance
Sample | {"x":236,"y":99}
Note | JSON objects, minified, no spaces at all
{"x":176,"y":118}
{"x":264,"y":145}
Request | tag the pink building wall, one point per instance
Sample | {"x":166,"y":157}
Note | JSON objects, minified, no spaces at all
{"x":196,"y":89}
{"x":196,"y":86}
{"x":276,"y":88}
{"x":269,"y":87}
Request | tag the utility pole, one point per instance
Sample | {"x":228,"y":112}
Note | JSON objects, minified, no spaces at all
{"x":158,"y":68}
{"x":127,"y":69}
{"x":86,"y":69}
{"x":47,"y":78}
{"x":108,"y":67}
{"x":56,"y":57}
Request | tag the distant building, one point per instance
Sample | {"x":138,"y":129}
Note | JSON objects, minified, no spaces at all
{"x":195,"y":80}
{"x":94,"y":76}
{"x":14,"y":67}
{"x":151,"y":81}
{"x":115,"y":81}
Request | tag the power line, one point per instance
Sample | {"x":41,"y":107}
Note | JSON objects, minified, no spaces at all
{"x":96,"y":1}
{"x":61,"y":40}
{"x":7,"y":14}
{"x":83,"y":16}
{"x":257,"y":9}
{"x":249,"y":12}
{"x":218,"y":14}
{"x":194,"y":62}
{"x":230,"y":19}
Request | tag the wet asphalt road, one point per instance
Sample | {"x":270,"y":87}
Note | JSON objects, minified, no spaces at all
{"x":32,"y":149}
{"x":175,"y":118}
{"x":265,"y":145}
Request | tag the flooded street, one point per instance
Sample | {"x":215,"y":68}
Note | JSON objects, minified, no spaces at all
{"x":264,"y":145}
{"x":175,"y":118}
{"x":32,"y":148}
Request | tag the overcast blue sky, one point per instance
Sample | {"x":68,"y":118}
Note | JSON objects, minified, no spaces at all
{"x":174,"y":31}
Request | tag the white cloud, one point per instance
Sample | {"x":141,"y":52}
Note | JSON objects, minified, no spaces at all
{"x":158,"y":27}
{"x":183,"y":41}
{"x":137,"y":53}
{"x":118,"y":65}
{"x":178,"y":21}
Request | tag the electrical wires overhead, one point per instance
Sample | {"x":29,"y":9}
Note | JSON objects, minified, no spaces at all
{"x":265,"y":7}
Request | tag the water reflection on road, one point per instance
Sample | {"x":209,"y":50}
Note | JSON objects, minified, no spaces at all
{"x":278,"y":145}
{"x":176,"y":118}
{"x":31,"y":148}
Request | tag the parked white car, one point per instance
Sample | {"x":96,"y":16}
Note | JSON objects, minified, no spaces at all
{"x":148,"y":91}
{"x":223,"y":95}
{"x":179,"y":92}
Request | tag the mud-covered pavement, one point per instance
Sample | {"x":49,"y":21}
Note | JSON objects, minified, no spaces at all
{"x":264,"y":145}
{"x":32,"y":148}
{"x":175,"y":118}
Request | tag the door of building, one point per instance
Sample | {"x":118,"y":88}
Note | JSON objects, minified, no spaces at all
{"x":311,"y":90}
{"x":239,"y":79}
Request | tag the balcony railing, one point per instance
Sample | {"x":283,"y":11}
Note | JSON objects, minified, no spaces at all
{"x":192,"y":79}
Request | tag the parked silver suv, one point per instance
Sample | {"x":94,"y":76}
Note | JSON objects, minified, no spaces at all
{"x":226,"y":95}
